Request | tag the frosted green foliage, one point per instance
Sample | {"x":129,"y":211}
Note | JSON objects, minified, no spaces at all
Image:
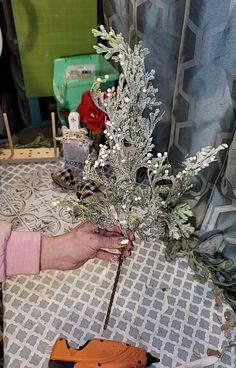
{"x":155,"y":204}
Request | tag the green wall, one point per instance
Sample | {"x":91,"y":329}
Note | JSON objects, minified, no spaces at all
{"x":48,"y":29}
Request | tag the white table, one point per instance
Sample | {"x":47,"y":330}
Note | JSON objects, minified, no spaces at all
{"x":158,"y":306}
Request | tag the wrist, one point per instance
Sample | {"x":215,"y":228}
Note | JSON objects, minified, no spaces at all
{"x":55,"y":251}
{"x":46,"y":259}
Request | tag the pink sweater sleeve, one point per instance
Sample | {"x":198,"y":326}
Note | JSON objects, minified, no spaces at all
{"x":19,"y":252}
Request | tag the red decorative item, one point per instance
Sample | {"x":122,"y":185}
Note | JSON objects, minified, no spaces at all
{"x":90,"y":114}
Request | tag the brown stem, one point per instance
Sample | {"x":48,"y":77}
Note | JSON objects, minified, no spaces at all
{"x":121,"y":259}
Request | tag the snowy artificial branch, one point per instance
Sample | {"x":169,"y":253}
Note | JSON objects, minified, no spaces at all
{"x":154,"y":204}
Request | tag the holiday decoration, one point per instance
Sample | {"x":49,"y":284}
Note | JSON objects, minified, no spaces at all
{"x":91,"y":115}
{"x":151,"y":207}
{"x":76,"y":143}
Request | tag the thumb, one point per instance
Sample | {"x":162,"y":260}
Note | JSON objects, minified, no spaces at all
{"x":112,"y":242}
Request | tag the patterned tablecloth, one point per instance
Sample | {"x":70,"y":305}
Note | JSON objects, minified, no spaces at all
{"x":158,"y":305}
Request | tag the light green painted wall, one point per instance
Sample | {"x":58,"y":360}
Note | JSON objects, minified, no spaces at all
{"x":48,"y":29}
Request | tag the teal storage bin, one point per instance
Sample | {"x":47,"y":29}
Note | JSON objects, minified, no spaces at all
{"x":76,"y":74}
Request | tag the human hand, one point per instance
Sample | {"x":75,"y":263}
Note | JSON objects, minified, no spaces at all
{"x":85,"y":241}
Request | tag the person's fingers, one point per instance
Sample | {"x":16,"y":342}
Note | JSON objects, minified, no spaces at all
{"x":130,"y":246}
{"x":107,"y":256}
{"x":131,"y":236}
{"x":112,"y":231}
{"x":111,"y":257}
{"x":106,"y":232}
{"x":115,"y":229}
{"x":112,"y":242}
{"x":127,"y":252}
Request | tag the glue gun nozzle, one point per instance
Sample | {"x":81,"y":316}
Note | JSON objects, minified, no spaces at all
{"x":151,"y":359}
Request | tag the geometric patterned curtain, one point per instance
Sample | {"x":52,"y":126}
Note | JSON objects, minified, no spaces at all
{"x":192,"y":47}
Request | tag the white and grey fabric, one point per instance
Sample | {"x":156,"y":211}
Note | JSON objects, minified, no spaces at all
{"x":192,"y":47}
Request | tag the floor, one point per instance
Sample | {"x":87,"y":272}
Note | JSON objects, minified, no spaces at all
{"x":158,"y":305}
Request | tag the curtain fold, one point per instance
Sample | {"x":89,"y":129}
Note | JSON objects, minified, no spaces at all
{"x":159,"y":27}
{"x":192,"y":47}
